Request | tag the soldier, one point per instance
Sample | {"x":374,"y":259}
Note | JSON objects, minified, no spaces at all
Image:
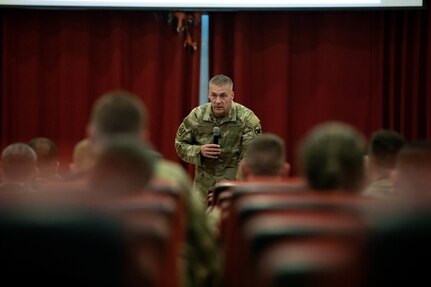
{"x":381,"y":159}
{"x":266,"y":160}
{"x":120,"y":113}
{"x":18,"y":168}
{"x":84,"y":156}
{"x":214,"y":136}
{"x":331,"y":157}
{"x":47,"y":159}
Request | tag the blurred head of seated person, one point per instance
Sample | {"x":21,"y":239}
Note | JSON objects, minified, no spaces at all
{"x":84,"y":156}
{"x":412,"y":177}
{"x":122,"y":113}
{"x":117,"y":113}
{"x":83,"y":159}
{"x":265,"y":159}
{"x":382,"y":156}
{"x":331,"y":157}
{"x":47,"y":159}
{"x":18,"y":167}
{"x":124,"y":167}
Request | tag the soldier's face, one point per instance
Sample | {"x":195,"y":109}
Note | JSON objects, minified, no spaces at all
{"x":221,"y":98}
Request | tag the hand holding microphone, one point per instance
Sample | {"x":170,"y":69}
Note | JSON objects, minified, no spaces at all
{"x":212,"y":150}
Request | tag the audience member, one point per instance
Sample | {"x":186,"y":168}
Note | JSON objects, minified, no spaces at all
{"x":47,"y":159}
{"x":331,"y":157}
{"x":84,"y":156}
{"x":382,"y":156}
{"x":266,"y":159}
{"x":215,"y":136}
{"x":124,"y":166}
{"x":120,"y":113}
{"x":18,"y":168}
{"x":265,"y":163}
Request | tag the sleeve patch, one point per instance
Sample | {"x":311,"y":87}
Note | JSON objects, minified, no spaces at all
{"x":181,"y":131}
{"x":254,"y":120}
{"x":257,"y":130}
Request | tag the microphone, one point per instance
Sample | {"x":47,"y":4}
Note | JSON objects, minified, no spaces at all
{"x":216,"y":135}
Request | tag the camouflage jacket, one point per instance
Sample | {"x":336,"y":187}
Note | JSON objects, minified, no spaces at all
{"x":237,"y":129}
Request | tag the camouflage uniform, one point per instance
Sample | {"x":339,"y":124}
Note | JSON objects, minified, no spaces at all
{"x":237,"y":129}
{"x":200,"y":255}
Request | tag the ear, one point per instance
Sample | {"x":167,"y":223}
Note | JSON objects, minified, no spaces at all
{"x":144,"y":135}
{"x":393,"y":175}
{"x":233,"y":95}
{"x":95,"y":141}
{"x":243,"y":171}
{"x":369,"y":163}
{"x":91,"y":133}
{"x":285,"y":170}
{"x":89,"y":130}
{"x":366,"y":160}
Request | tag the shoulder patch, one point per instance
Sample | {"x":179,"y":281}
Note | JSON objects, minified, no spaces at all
{"x":253,"y":120}
{"x":257,"y":130}
{"x":181,"y":130}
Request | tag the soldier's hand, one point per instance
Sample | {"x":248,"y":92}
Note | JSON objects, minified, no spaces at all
{"x":210,"y":150}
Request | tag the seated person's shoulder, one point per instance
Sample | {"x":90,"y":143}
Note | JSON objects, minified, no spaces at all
{"x":382,"y":188}
{"x":169,"y":167}
{"x":172,"y":172}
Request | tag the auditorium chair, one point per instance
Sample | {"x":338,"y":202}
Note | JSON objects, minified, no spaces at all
{"x":70,"y":246}
{"x":308,"y":263}
{"x":248,"y":207}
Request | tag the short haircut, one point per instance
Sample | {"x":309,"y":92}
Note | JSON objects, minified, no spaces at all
{"x":46,"y":150}
{"x":118,"y":113}
{"x":384,"y":147}
{"x":332,"y":157}
{"x":18,"y":162}
{"x":84,"y":155}
{"x":221,"y":80}
{"x":125,"y":166}
{"x":266,"y":155}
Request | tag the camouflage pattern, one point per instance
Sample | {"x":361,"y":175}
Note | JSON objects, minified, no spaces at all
{"x":174,"y":174}
{"x":200,"y":258}
{"x":237,"y":129}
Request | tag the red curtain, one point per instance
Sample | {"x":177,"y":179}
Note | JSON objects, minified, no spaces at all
{"x":294,"y":69}
{"x":371,"y":69}
{"x":57,"y":62}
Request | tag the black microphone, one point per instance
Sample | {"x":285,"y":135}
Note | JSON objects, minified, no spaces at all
{"x":216,"y":135}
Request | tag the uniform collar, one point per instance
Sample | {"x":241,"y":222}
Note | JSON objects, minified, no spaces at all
{"x":209,"y":116}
